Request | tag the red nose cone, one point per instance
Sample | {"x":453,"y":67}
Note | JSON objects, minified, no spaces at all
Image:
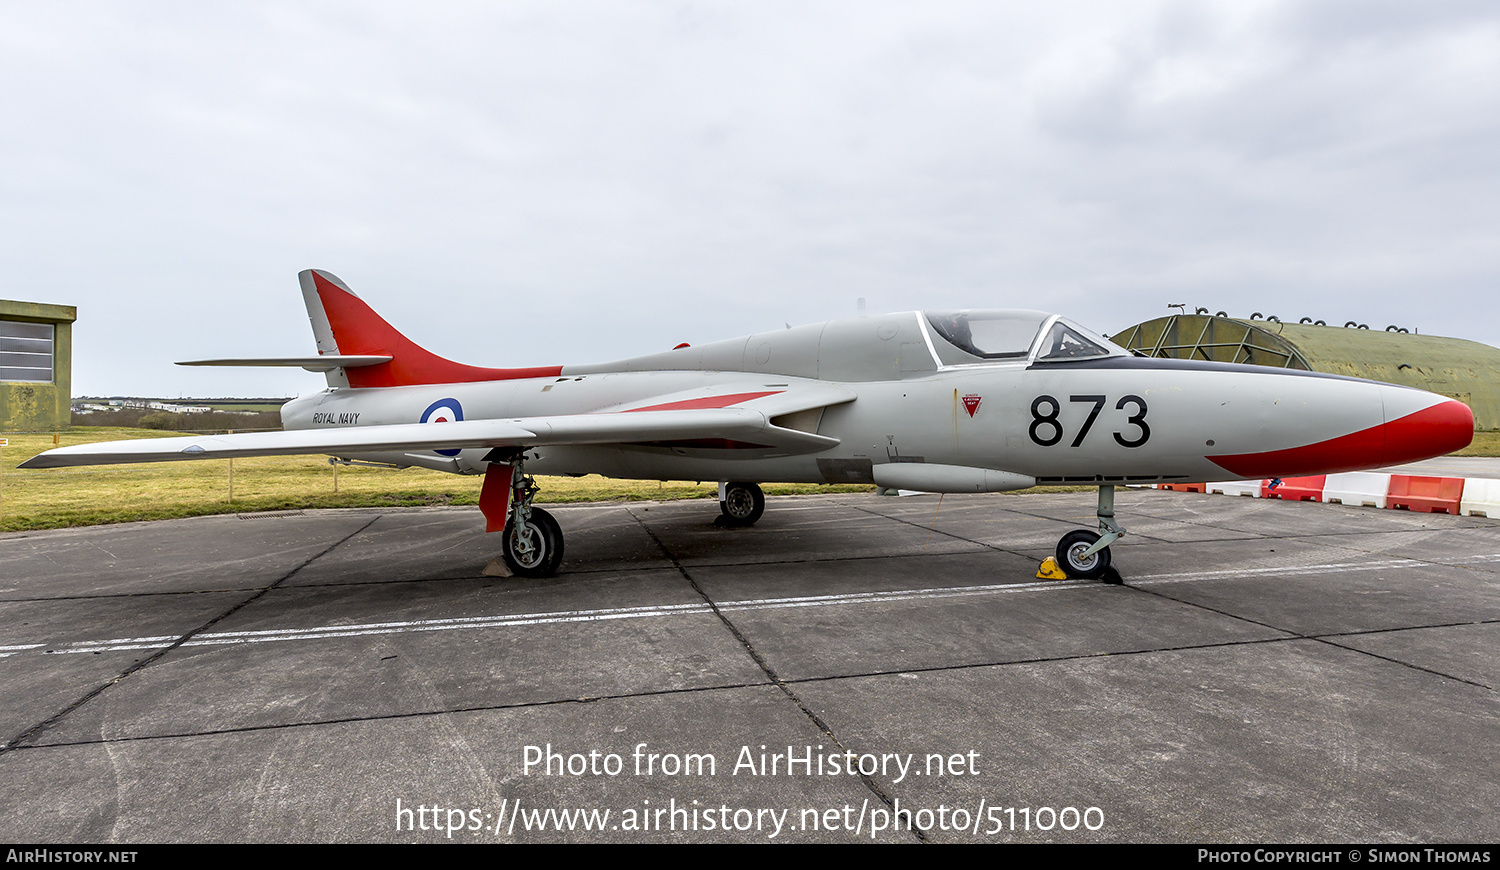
{"x":1432,"y":431}
{"x":1442,"y":428}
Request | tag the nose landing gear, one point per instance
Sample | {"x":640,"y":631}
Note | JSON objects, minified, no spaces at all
{"x":1083,"y":554}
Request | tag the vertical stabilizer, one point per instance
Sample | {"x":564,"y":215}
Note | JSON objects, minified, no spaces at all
{"x":343,"y":324}
{"x":322,"y":330}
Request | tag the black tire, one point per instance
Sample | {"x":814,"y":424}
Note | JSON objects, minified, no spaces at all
{"x":1091,"y":568}
{"x":546,"y":551}
{"x":743,"y":503}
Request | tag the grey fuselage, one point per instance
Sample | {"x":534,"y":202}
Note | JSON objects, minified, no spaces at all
{"x":916,"y":397}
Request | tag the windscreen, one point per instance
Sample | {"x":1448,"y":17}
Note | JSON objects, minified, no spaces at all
{"x":1065,"y":341}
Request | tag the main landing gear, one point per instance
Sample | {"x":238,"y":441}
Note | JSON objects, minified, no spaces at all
{"x":1083,"y":554}
{"x":532,"y":541}
{"x":741,"y":503}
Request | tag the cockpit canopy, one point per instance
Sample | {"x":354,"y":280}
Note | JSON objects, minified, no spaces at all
{"x":1010,"y":334}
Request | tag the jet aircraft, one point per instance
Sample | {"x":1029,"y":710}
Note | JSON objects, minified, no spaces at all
{"x":938,"y":401}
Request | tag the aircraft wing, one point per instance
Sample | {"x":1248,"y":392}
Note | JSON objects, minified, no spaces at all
{"x":745,"y":425}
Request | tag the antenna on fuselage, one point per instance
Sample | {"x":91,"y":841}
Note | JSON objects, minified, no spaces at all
{"x":860,"y":305}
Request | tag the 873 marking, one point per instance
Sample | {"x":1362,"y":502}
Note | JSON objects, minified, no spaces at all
{"x":1046,"y":430}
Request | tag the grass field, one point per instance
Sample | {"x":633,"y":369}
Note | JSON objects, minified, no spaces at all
{"x":1485,"y":444}
{"x":60,"y":497}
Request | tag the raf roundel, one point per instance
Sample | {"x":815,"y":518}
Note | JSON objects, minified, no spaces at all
{"x":443,"y":411}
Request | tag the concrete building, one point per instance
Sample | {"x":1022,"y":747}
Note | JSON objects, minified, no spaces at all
{"x":36,"y":365}
{"x":1465,"y":370}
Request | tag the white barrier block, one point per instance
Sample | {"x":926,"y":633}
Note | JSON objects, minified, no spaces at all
{"x":1481,"y":498}
{"x":1250,"y":488}
{"x":1367,"y":488}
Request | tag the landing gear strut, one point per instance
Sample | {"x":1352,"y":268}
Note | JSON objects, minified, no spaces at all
{"x":1083,"y":554}
{"x":532,"y":542}
{"x":741,"y":503}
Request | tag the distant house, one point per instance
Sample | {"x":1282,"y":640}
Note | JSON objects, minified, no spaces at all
{"x":36,"y":365}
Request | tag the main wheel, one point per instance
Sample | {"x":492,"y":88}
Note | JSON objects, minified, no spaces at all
{"x":1070,"y":558}
{"x":743,"y":503}
{"x":539,"y":551}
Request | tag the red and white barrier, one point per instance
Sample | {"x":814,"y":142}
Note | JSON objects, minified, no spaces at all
{"x":1357,"y":488}
{"x":1481,"y":497}
{"x":1296,"y":488}
{"x":1470,"y":496}
{"x":1432,"y":495}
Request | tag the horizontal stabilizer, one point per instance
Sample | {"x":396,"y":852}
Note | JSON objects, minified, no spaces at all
{"x":324,"y":363}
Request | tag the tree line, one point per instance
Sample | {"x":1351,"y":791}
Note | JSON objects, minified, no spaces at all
{"x":207,"y":421}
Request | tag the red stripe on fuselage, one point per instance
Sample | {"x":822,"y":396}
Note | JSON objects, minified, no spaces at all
{"x":706,"y":402}
{"x":357,"y":329}
{"x":1433,"y":431}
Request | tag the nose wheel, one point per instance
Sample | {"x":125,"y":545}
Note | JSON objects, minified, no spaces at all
{"x":1084,"y":555}
{"x":1078,"y":556}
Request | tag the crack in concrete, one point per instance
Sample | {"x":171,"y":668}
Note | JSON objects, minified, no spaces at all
{"x":771,"y":674}
{"x":39,"y":728}
{"x":1323,"y":638}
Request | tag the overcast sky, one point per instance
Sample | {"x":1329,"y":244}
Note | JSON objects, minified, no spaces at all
{"x":569,"y":182}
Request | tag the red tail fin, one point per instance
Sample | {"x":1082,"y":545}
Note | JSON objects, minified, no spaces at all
{"x":354,"y":328}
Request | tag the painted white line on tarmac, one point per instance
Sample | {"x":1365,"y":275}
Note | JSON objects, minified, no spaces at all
{"x":1292,"y":571}
{"x":231,"y":638}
